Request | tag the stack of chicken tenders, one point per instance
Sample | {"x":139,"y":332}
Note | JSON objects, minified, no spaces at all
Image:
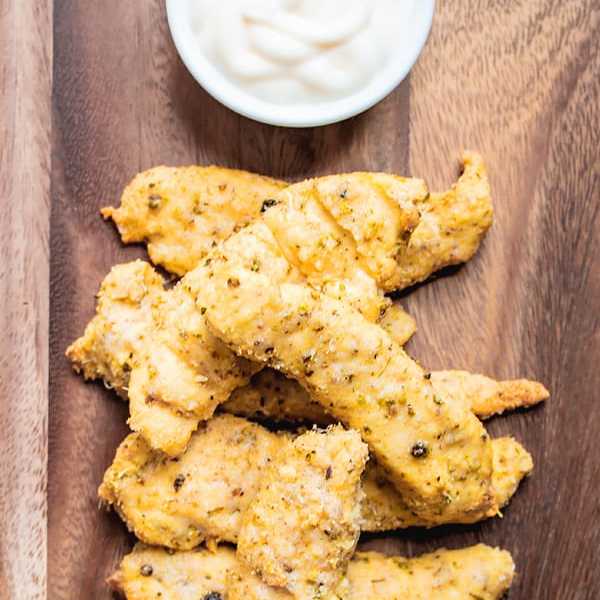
{"x":275,"y":413}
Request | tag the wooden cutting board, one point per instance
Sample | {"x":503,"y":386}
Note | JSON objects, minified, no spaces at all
{"x":518,"y":81}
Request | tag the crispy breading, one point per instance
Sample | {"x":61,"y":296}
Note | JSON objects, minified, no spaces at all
{"x":380,"y":212}
{"x":384,"y":509}
{"x":302,"y":527}
{"x":478,"y":572}
{"x":197,"y":497}
{"x":512,"y":463}
{"x":243,"y":584}
{"x":451,"y":227}
{"x":271,"y":396}
{"x":148,"y":573}
{"x":474,"y":572}
{"x":194,"y":207}
{"x":487,"y":396}
{"x":219,"y":475}
{"x":177,"y":365}
{"x":182,"y":211}
{"x":398,"y":323}
{"x":374,"y":216}
{"x":152,"y":345}
{"x":123,"y":335}
{"x":350,"y":226}
{"x":119,"y":329}
{"x":434,"y":451}
{"x":180,"y":372}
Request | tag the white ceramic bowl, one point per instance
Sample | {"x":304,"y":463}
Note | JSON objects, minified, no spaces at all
{"x":306,"y":115}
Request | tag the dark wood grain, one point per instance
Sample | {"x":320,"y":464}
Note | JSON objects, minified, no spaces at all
{"x":25,"y":81}
{"x":520,"y":84}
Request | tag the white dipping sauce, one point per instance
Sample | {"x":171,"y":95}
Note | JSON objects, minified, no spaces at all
{"x":300,"y":51}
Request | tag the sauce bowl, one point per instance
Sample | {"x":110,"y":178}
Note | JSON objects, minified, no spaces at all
{"x":313,"y":114}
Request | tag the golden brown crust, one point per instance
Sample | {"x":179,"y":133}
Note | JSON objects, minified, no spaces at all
{"x":271,"y":396}
{"x":436,"y":453}
{"x":222,"y":468}
{"x":148,"y":573}
{"x":198,"y":497}
{"x":451,"y":227}
{"x":182,"y":211}
{"x":475,"y":572}
{"x":512,"y":463}
{"x":398,"y":324}
{"x":301,"y":528}
{"x":343,"y":232}
{"x":384,"y":508}
{"x":198,"y":206}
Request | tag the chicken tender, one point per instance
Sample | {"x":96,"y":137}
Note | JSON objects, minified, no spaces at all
{"x":203,"y":495}
{"x":378,"y":210}
{"x":148,"y":573}
{"x":177,"y":369}
{"x":384,"y":509}
{"x":451,"y":227}
{"x":271,"y":396}
{"x":200,"y":496}
{"x":183,"y":212}
{"x":434,"y":451}
{"x":303,"y":525}
{"x":475,"y":572}
{"x":178,"y":372}
{"x":486,"y":396}
{"x":152,"y":345}
{"x":123,"y":341}
{"x":352,"y":226}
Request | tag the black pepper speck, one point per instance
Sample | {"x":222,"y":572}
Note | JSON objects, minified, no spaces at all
{"x":419,"y":450}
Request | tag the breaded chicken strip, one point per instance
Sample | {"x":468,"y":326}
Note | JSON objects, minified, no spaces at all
{"x":182,"y":212}
{"x":272,"y":396}
{"x":384,"y":509}
{"x":139,"y":323}
{"x":302,"y":527}
{"x":476,"y":572}
{"x":378,"y":210}
{"x":451,"y":228}
{"x":486,"y":396}
{"x":202,"y":495}
{"x":327,"y":254}
{"x":344,"y":232}
{"x":178,"y":370}
{"x":434,"y":451}
{"x":149,"y":573}
{"x":153,"y":346}
{"x":180,"y":373}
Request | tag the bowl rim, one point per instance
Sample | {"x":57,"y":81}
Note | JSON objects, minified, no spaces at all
{"x":209,"y":77}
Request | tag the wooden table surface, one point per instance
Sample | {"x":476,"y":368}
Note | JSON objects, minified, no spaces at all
{"x":518,"y":81}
